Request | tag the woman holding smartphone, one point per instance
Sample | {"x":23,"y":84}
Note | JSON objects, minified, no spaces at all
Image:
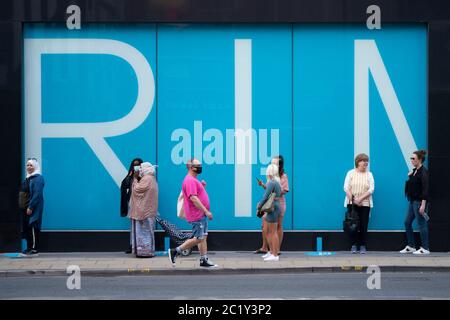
{"x":416,"y":190}
{"x":273,"y":185}
{"x":278,"y":161}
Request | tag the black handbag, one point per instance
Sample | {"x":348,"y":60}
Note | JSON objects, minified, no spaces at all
{"x":24,"y":195}
{"x":351,"y":222}
{"x":24,"y":200}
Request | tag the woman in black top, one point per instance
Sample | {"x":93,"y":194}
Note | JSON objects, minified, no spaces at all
{"x":416,"y":190}
{"x":125,"y":191}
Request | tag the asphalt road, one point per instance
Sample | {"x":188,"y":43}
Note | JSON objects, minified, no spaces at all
{"x":284,"y":286}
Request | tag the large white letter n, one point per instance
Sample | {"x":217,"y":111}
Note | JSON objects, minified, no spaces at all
{"x":367,"y":58}
{"x":93,"y":133}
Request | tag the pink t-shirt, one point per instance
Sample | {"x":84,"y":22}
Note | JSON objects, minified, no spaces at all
{"x":284,"y":187}
{"x":193,"y":187}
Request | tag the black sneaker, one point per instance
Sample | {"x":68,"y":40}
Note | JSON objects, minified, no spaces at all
{"x":145,"y":257}
{"x":172,"y":256}
{"x":206,"y":263}
{"x":34,"y":253}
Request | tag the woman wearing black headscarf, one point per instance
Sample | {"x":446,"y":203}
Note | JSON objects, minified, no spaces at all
{"x":125,"y":192}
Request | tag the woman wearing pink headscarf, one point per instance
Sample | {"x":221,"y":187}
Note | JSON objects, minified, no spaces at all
{"x":143,"y":210}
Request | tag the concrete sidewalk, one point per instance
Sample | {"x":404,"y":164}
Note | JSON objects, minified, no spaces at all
{"x":238,"y":262}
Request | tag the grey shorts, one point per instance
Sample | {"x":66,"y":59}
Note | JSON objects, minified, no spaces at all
{"x":200,"y":228}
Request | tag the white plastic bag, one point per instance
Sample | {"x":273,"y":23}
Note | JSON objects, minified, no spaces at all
{"x":180,"y":206}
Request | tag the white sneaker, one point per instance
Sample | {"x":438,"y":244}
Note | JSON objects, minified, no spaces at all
{"x":268,"y":254}
{"x":408,"y":249}
{"x":272,"y":258}
{"x":421,"y":251}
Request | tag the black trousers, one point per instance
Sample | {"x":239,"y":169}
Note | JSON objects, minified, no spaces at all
{"x":30,"y":232}
{"x":360,"y":238}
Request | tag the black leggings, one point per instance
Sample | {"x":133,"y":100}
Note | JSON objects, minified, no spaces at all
{"x":360,"y":238}
{"x":31,"y":233}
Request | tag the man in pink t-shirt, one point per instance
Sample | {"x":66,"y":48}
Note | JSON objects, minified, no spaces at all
{"x":196,"y":208}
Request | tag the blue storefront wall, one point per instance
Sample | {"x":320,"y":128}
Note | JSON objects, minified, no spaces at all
{"x":324,"y":111}
{"x":195,"y":86}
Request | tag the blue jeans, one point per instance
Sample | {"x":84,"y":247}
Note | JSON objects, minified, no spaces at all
{"x":413,"y":213}
{"x":200,"y":228}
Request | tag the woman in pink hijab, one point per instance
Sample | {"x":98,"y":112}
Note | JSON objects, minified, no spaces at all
{"x":143,"y":210}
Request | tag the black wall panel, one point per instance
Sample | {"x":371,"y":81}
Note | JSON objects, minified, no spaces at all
{"x":10,"y":132}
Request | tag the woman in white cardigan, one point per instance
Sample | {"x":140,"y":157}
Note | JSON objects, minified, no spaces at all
{"x":359,"y":186}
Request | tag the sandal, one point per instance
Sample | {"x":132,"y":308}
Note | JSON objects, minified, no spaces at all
{"x":146,"y":257}
{"x":259,"y":251}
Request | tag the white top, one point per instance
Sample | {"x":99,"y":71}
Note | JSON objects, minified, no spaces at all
{"x":359,"y":183}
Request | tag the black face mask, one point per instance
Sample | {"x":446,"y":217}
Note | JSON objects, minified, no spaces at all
{"x":198,"y":169}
